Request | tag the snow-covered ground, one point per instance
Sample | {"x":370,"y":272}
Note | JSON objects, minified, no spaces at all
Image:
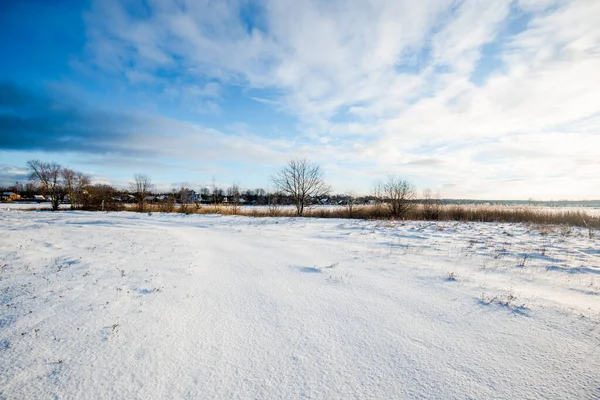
{"x":12,"y":205}
{"x":126,"y":305}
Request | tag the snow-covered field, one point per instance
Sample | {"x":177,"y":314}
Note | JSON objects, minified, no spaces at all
{"x":126,"y":305}
{"x":11,"y":205}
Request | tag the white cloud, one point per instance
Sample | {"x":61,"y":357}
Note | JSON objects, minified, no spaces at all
{"x":376,"y":82}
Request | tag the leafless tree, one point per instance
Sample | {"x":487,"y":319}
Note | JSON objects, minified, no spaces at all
{"x":100,"y":197}
{"x":214,"y":192}
{"x":350,"y":202}
{"x":378,"y":201}
{"x":30,"y":188}
{"x":273,"y":205}
{"x":432,"y":205}
{"x":48,"y":175}
{"x":74,"y":182}
{"x":302,"y":180}
{"x":141,"y":186}
{"x":397,"y":194}
{"x":205,"y":193}
{"x":234,"y":193}
{"x":185,"y":196}
{"x":18,"y":188}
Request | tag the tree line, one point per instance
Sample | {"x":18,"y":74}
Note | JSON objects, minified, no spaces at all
{"x":299,"y":183}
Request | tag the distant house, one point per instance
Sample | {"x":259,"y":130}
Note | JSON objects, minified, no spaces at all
{"x":39,"y":197}
{"x":9,"y":196}
{"x":231,"y":199}
{"x":190,"y":196}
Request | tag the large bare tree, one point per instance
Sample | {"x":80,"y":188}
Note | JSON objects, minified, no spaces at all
{"x":74,"y":182}
{"x":302,"y":180}
{"x":141,"y":186}
{"x":398,"y":194}
{"x":48,"y":176}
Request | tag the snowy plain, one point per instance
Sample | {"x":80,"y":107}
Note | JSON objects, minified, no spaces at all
{"x":30,"y":205}
{"x":129,"y":305}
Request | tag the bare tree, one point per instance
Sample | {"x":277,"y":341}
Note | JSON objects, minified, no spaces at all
{"x":205,"y":193}
{"x":47,"y":174}
{"x":141,"y":186}
{"x":18,"y":188}
{"x":185,"y":196}
{"x":432,"y":205}
{"x":398,"y":194}
{"x":273,"y":203}
{"x":302,"y":180}
{"x":214,"y":192}
{"x":234,"y":192}
{"x":74,"y":182}
{"x":100,"y":197}
{"x":378,"y":201}
{"x":68,"y":176}
{"x":30,"y":189}
{"x":260,"y":196}
{"x":349,"y":203}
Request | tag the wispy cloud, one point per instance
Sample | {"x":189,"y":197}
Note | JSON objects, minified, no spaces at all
{"x":462,"y":95}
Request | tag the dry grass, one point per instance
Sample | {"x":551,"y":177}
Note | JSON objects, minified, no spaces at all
{"x":469,"y":213}
{"x":466,"y":213}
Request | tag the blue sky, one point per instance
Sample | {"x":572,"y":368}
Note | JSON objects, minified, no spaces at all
{"x":473,"y":99}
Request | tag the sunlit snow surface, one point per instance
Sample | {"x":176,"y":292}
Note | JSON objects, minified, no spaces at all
{"x":126,"y":305}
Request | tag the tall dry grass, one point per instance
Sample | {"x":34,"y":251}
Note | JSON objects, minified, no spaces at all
{"x":466,"y":213}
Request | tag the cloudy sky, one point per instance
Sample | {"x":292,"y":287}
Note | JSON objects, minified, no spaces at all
{"x":477,"y":99}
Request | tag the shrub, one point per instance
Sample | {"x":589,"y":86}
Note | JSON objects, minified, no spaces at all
{"x":100,"y":198}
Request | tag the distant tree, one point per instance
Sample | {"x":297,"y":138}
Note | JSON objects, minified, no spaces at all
{"x":17,"y":188}
{"x":141,"y":186}
{"x":185,"y":197}
{"x":100,"y":197}
{"x":432,"y":205}
{"x":214,"y":192}
{"x":47,"y":175}
{"x":302,"y":180}
{"x":349,"y":202}
{"x":233,"y":192}
{"x":249,"y":195}
{"x":274,"y":200}
{"x":30,"y":189}
{"x":397,"y":194}
{"x":261,"y":197}
{"x":205,"y":193}
{"x":74,"y":182}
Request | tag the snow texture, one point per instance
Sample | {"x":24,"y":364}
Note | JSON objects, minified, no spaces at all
{"x":126,"y":305}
